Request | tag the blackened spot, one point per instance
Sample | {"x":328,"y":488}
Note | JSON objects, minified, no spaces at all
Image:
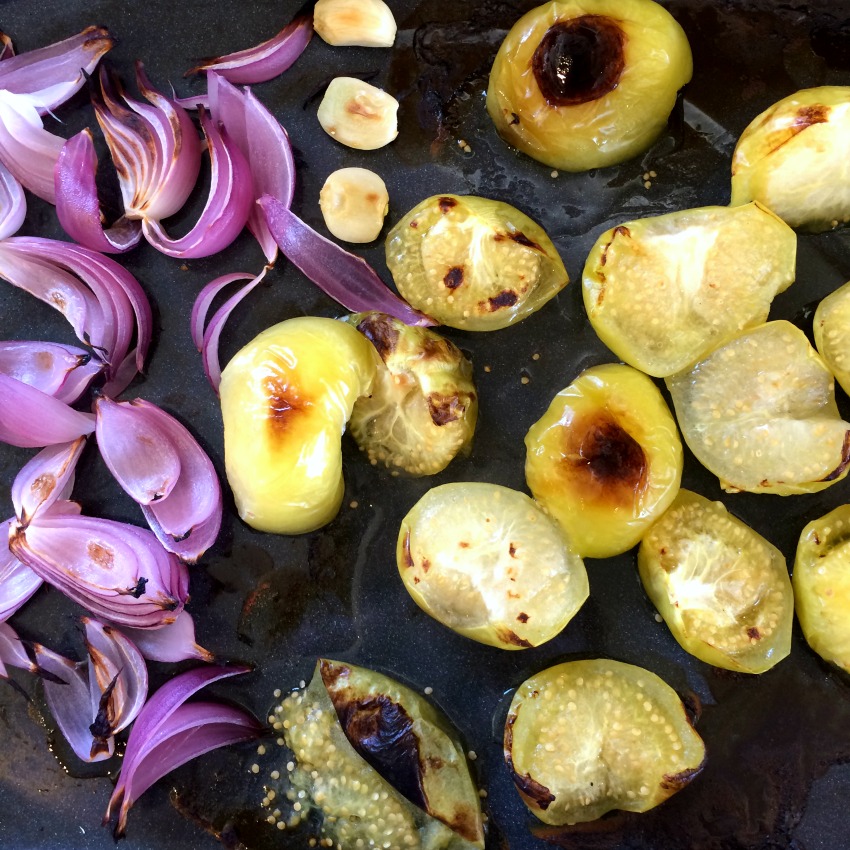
{"x":101,"y":728}
{"x":446,"y":408}
{"x":505,"y":635}
{"x":677,"y":781}
{"x":139,"y":589}
{"x":426,"y":565}
{"x":816,"y":538}
{"x":532,"y":789}
{"x":447,"y":204}
{"x":381,"y":332}
{"x":521,"y":239}
{"x":408,"y":558}
{"x":512,"y":550}
{"x":514,"y":118}
{"x":414,"y":224}
{"x":753,"y":633}
{"x":454,"y":277}
{"x":845,"y":459}
{"x":522,"y":617}
{"x":506,"y":298}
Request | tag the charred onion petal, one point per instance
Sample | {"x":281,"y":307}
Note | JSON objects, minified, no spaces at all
{"x":152,"y":727}
{"x":13,"y":204}
{"x":31,"y":419}
{"x":140,"y":456}
{"x":227,"y":207}
{"x":343,"y":276}
{"x":266,"y":146}
{"x":174,"y":642}
{"x":77,"y":205}
{"x":118,"y":572}
{"x":17,"y":581}
{"x":63,"y":371}
{"x":204,"y":301}
{"x":12,"y":652}
{"x":209,"y":345}
{"x":48,"y":477}
{"x":118,"y":679}
{"x":49,"y":75}
{"x":28,"y":150}
{"x":265,"y":61}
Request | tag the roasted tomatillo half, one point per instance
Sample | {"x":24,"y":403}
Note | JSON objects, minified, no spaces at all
{"x":605,"y":460}
{"x":587,"y":83}
{"x":721,"y":587}
{"x":585,"y":737}
{"x":379,"y":763}
{"x":422,"y":409}
{"x":759,"y":412}
{"x":285,"y":400}
{"x":795,"y":159}
{"x":487,"y":562}
{"x":473,"y":263}
{"x":662,"y":292}
{"x":832,"y":333}
{"x":822,"y":586}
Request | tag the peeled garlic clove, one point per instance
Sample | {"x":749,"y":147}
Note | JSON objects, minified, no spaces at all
{"x":361,"y":23}
{"x":358,"y":115}
{"x":354,"y":202}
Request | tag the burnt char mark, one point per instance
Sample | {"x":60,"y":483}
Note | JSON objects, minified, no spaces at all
{"x":807,"y":116}
{"x":514,"y":118}
{"x":623,"y":231}
{"x":453,"y":278}
{"x":845,"y":460}
{"x":408,"y":558}
{"x":446,"y":204}
{"x":381,"y":332}
{"x":522,"y":617}
{"x":426,"y":565}
{"x":446,"y":408}
{"x":676,"y":781}
{"x":753,"y":633}
{"x":521,"y":239}
{"x":539,"y":794}
{"x":506,"y":298}
{"x":380,"y":730}
{"x":505,"y":635}
{"x":283,"y":404}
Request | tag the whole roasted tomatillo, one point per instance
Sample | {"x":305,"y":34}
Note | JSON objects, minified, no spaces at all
{"x":588,"y":83}
{"x":285,"y":399}
{"x":585,"y":737}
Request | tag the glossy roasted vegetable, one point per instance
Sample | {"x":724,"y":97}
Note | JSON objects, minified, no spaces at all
{"x":605,"y":460}
{"x":285,"y":400}
{"x":379,"y":763}
{"x":488,"y":563}
{"x":585,"y":737}
{"x":721,"y":587}
{"x":759,"y":412}
{"x":822,"y":586}
{"x":422,"y":409}
{"x":662,"y":292}
{"x":473,"y":263}
{"x":793,"y":158}
{"x":832,"y":333}
{"x":582,"y":84}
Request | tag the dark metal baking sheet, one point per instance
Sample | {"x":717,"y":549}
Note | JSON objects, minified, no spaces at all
{"x":777,"y":774}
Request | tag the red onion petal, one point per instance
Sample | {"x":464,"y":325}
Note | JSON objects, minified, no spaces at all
{"x":209,"y":348}
{"x":141,"y":456}
{"x":193,"y":102}
{"x":343,"y":276}
{"x":119,"y":572}
{"x":63,"y":371}
{"x":175,"y":642}
{"x":266,"y":146}
{"x":28,"y":150}
{"x":31,"y":419}
{"x":265,"y":61}
{"x":77,"y":205}
{"x":50,"y":75}
{"x":12,"y":651}
{"x":204,"y":301}
{"x":13,"y":204}
{"x":45,"y":479}
{"x":17,"y":581}
{"x":227,"y":207}
{"x":7,"y":49}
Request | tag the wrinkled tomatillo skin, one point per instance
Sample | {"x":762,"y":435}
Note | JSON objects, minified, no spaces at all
{"x":583,"y":84}
{"x":285,"y":401}
{"x":585,"y":737}
{"x":605,"y":460}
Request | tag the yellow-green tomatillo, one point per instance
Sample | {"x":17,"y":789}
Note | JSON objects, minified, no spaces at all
{"x":285,"y":399}
{"x":605,"y":460}
{"x":832,"y":333}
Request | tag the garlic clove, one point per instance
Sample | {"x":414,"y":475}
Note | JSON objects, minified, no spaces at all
{"x":354,"y":203}
{"x":358,"y":115}
{"x":362,"y":23}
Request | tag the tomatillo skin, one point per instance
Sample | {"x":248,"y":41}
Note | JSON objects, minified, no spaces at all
{"x":584,"y":84}
{"x":605,"y":460}
{"x":285,"y":399}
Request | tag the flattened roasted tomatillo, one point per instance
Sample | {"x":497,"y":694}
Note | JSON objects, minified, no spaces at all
{"x":605,"y":460}
{"x":585,"y":737}
{"x":285,"y":400}
{"x":795,"y":159}
{"x":832,"y":333}
{"x":422,"y":409}
{"x":822,"y":586}
{"x":473,"y":263}
{"x":721,"y":587}
{"x":662,"y":292}
{"x":379,"y":763}
{"x":487,"y":562}
{"x":582,"y":84}
{"x":759,"y":412}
